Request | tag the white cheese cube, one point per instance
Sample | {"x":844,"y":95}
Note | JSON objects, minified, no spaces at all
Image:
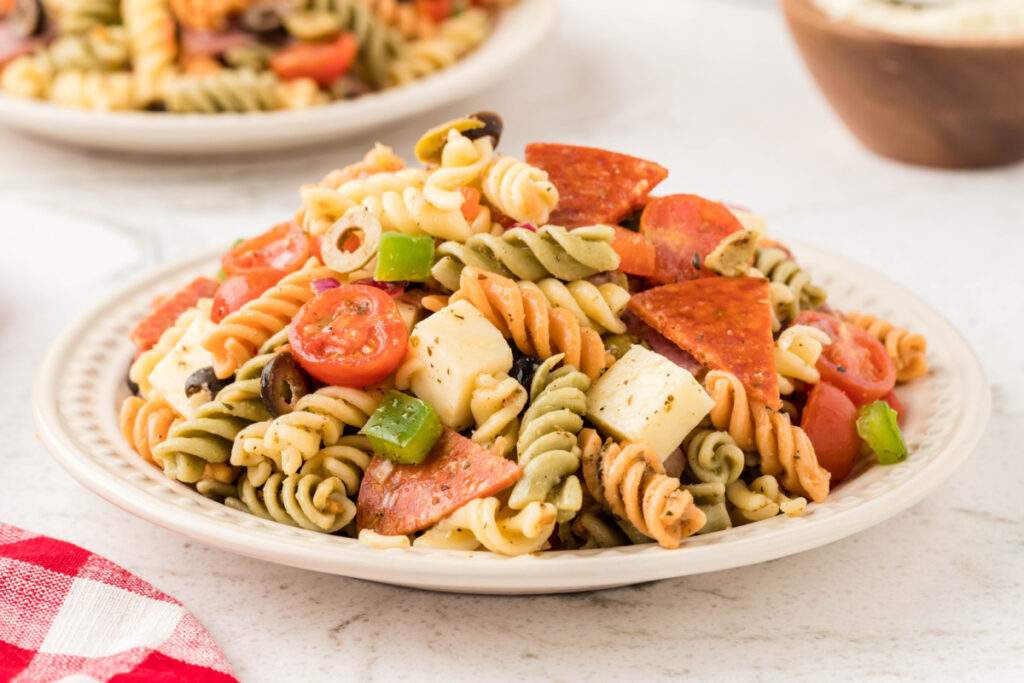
{"x":649,"y":399}
{"x":453,"y":346}
{"x":188,"y":355}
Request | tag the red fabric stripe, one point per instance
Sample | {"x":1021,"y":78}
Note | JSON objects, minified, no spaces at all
{"x":13,"y":660}
{"x":49,"y":553}
{"x":159,"y":668}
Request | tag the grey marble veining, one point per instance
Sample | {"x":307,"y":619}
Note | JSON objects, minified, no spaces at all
{"x":714,"y":91}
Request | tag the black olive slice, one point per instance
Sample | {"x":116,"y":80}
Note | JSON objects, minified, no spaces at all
{"x":493,"y":125}
{"x":523,"y":370}
{"x":204,"y":380}
{"x":27,"y":17}
{"x":283,"y":383}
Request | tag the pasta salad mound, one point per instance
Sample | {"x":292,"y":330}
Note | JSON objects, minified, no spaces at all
{"x":211,"y":56}
{"x":513,"y":354}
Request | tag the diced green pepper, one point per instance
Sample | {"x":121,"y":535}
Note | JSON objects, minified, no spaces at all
{"x":404,"y":257}
{"x":403,"y":428}
{"x":877,"y":425}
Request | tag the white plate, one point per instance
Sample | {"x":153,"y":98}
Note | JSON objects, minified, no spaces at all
{"x":517,"y":31}
{"x":81,"y":383}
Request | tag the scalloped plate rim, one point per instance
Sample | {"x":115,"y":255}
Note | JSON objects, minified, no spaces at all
{"x":560,"y":571}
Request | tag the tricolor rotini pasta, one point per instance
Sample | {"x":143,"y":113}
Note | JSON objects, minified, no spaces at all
{"x":447,"y":381}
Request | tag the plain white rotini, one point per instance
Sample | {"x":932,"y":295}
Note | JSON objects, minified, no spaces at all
{"x":456,"y":37}
{"x":323,"y":204}
{"x":796,"y":352}
{"x":495,"y":404}
{"x":151,"y":30}
{"x":27,"y":76}
{"x":463,"y":161}
{"x":95,"y":90}
{"x":486,"y":522}
{"x":409,"y":211}
{"x":520,"y":191}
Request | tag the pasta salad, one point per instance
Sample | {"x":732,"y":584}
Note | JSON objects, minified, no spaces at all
{"x":517,"y":355}
{"x":210,"y":56}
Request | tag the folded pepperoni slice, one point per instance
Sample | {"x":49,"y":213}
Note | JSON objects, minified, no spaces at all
{"x":685,"y":228}
{"x":401,"y":499}
{"x":594,"y":185}
{"x":724,"y":322}
{"x":167,"y":309}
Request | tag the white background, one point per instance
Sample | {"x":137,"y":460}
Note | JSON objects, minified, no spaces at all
{"x":714,"y":90}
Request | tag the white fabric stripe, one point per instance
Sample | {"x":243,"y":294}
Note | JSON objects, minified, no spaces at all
{"x":99,"y":620}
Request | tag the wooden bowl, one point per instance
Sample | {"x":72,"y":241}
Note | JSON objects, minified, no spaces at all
{"x":923,"y":101}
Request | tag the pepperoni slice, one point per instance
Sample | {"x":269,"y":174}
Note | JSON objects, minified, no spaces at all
{"x":167,"y":310}
{"x":724,"y":322}
{"x":594,"y":185}
{"x":401,"y":499}
{"x":685,"y":228}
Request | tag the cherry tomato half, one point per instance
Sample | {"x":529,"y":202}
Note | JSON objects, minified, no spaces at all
{"x":238,"y":290}
{"x":855,"y":361}
{"x":283,"y":248}
{"x":323,"y":62}
{"x":830,"y":420}
{"x":352,"y":336}
{"x":436,"y":10}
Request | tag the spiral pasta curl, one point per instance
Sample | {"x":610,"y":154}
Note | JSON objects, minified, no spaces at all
{"x":379,"y":44}
{"x":305,"y":500}
{"x":209,"y":435}
{"x":495,"y":405}
{"x":796,"y":352}
{"x":76,"y":16}
{"x":379,"y":159}
{"x":520,"y":191}
{"x":404,"y":17}
{"x":345,"y":460}
{"x":547,"y":448}
{"x":227,"y":90}
{"x":907,"y":350}
{"x":784,"y":448}
{"x":591,"y":528}
{"x":102,"y":48}
{"x":142,"y":366}
{"x":463,"y":161}
{"x":207,"y":15}
{"x":240,"y":334}
{"x":762,"y":499}
{"x":456,"y":37}
{"x":27,"y":76}
{"x":596,"y":306}
{"x":318,"y":420}
{"x":521,"y":312}
{"x":151,"y":32}
{"x":709,"y":497}
{"x":485,"y":522}
{"x":630,"y":480}
{"x":776,"y":265}
{"x":325,"y":203}
{"x":551,"y":251}
{"x":145,"y":423}
{"x":95,"y":90}
{"x":409,"y":211}
{"x":714,"y":457}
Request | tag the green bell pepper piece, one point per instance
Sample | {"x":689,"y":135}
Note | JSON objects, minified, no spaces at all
{"x":403,"y":428}
{"x":877,"y":425}
{"x":404,"y":257}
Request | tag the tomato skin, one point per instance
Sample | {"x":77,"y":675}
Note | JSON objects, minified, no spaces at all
{"x":637,"y":254}
{"x":471,"y":203}
{"x":436,"y":10}
{"x":323,"y":62}
{"x":855,"y":361}
{"x":830,"y":420}
{"x":238,"y":290}
{"x":284,"y":248}
{"x":896,"y":404}
{"x":352,"y":336}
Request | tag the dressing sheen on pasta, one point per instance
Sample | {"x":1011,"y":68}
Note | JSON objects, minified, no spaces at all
{"x":420,"y":361}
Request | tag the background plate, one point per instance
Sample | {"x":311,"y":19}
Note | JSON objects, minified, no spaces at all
{"x":81,"y":383}
{"x":517,"y":31}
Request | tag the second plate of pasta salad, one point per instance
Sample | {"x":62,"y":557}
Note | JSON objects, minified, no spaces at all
{"x":517,"y":355}
{"x":152,"y":74}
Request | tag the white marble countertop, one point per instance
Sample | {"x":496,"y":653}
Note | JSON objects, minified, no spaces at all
{"x":714,"y":90}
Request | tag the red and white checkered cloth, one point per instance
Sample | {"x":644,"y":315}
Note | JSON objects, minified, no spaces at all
{"x":69,"y":615}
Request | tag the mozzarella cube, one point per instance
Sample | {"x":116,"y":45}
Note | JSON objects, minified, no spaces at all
{"x":188,"y":355}
{"x":453,"y":347}
{"x":648,"y":399}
